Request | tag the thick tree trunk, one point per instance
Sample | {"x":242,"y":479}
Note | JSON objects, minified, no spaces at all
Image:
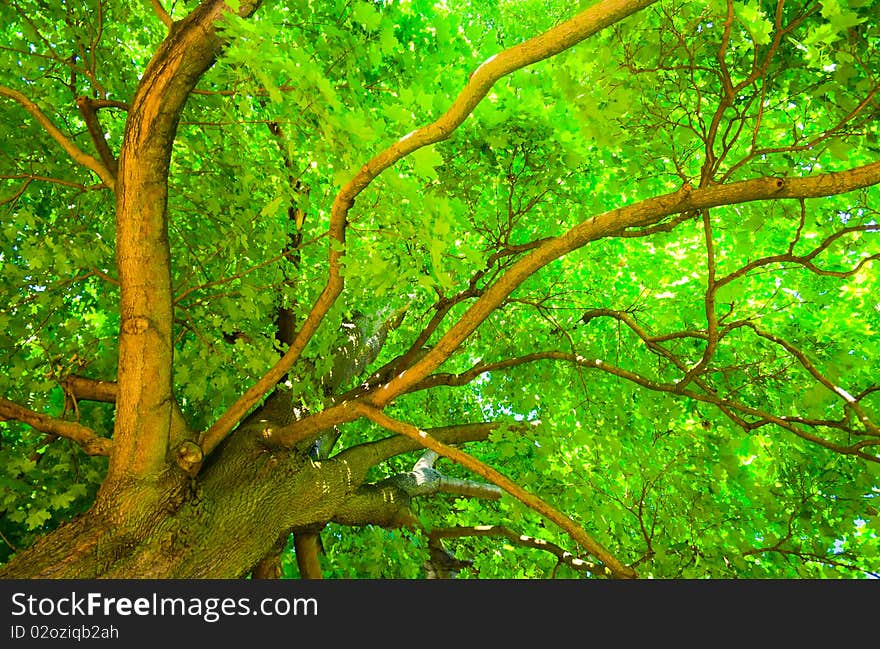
{"x":219,"y":526}
{"x":244,"y":504}
{"x":150,"y":519}
{"x":142,"y":434}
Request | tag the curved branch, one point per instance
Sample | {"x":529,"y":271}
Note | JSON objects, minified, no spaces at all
{"x":162,"y":14}
{"x":564,"y":556}
{"x":90,"y":116}
{"x":145,"y":401}
{"x":85,"y":389}
{"x":727,"y":406}
{"x":814,"y":557}
{"x":550,"y":43}
{"x":807,"y":259}
{"x":387,"y":502}
{"x":850,"y":401}
{"x":645,"y":212}
{"x":28,"y":178}
{"x":642,"y":213}
{"x":546,"y":45}
{"x":66,"y":143}
{"x":363,"y":456}
{"x":425,"y":480}
{"x":91,"y":443}
{"x":611,"y":564}
{"x":98,"y":104}
{"x":81,"y":388}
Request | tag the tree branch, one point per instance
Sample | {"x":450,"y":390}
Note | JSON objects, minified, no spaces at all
{"x":387,"y":502}
{"x":806,"y":260}
{"x":163,"y":15}
{"x":307,"y":546}
{"x":424,"y":480}
{"x":81,"y":388}
{"x":98,"y":104}
{"x":611,"y":564}
{"x":361,"y":457}
{"x":91,"y":443}
{"x":28,"y":178}
{"x":642,"y":213}
{"x":144,"y":406}
{"x":85,"y":389}
{"x":90,"y":117}
{"x":727,"y":406}
{"x":550,"y":43}
{"x":66,"y":143}
{"x":814,"y":557}
{"x":564,"y":556}
{"x":850,"y":401}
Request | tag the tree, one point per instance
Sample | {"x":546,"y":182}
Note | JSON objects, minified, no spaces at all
{"x":469,"y":289}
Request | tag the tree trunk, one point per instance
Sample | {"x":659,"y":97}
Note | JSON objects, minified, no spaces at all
{"x":244,"y":504}
{"x":150,"y":519}
{"x":219,"y":526}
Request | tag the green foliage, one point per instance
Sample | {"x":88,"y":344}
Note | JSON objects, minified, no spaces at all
{"x":42,"y":483}
{"x":307,"y":92}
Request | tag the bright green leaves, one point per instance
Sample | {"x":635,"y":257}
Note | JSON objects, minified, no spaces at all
{"x":366,"y":14}
{"x":438,"y":244}
{"x":388,"y":42}
{"x":271,"y":208}
{"x":307,"y":93}
{"x":420,"y":238}
{"x":840,"y":16}
{"x":426,"y":160}
{"x":840,"y":148}
{"x":64,"y":499}
{"x":374,"y":553}
{"x":755,"y":20}
{"x":36,"y":518}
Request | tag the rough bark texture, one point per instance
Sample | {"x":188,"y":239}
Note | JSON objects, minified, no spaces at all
{"x":244,"y":504}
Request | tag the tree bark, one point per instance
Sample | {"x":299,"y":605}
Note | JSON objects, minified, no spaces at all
{"x":145,"y":401}
{"x":246,"y":501}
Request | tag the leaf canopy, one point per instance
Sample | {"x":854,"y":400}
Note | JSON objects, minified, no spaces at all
{"x":707,"y":403}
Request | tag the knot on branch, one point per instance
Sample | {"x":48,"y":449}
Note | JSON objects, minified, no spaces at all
{"x":97,"y":446}
{"x":136,"y":325}
{"x":188,"y":456}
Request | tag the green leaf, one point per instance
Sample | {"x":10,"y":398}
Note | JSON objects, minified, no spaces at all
{"x":426,"y":160}
{"x":36,"y":518}
{"x":367,"y":15}
{"x":61,"y":500}
{"x":272,"y":207}
{"x":755,"y":20}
